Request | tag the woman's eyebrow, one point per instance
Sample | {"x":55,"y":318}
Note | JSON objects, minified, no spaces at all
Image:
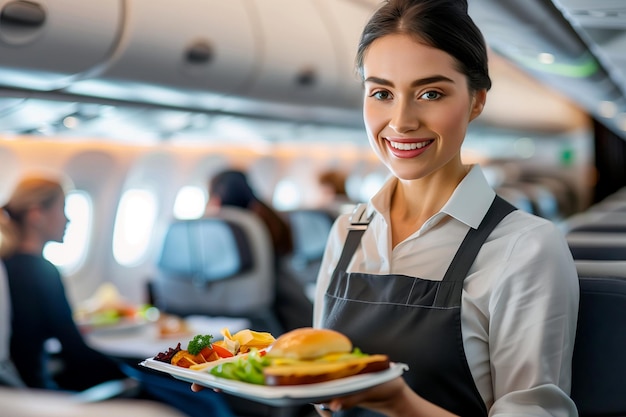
{"x":416,"y":83}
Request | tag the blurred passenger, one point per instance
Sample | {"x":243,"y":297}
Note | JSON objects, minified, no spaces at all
{"x":35,"y":215}
{"x":231,"y":188}
{"x":334,"y":195}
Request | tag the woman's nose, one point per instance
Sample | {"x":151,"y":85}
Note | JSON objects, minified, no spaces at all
{"x":404,"y":117}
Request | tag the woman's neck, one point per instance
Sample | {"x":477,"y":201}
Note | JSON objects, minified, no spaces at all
{"x":31,"y":246}
{"x":414,"y":202}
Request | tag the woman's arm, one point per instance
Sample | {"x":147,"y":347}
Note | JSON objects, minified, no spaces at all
{"x":533,"y":311}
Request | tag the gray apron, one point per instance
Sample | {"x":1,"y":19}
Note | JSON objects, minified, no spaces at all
{"x":413,"y":320}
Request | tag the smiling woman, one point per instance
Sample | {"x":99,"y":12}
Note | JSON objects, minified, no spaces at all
{"x":437,"y":231}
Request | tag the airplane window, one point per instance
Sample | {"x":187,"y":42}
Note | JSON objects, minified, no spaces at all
{"x":69,"y":255}
{"x":133,"y":226}
{"x":286,"y":196}
{"x":190,"y":202}
{"x":371,"y":184}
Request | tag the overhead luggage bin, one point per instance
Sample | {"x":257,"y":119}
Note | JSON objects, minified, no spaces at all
{"x":171,"y":49}
{"x":300,"y":58}
{"x":46,"y":44}
{"x":345,"y":33}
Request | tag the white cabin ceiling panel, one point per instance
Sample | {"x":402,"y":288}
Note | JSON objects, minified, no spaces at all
{"x":45,"y":44}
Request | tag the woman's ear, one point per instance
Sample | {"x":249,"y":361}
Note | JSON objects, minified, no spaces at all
{"x":33,"y":214}
{"x":478,"y":103}
{"x":33,"y":218}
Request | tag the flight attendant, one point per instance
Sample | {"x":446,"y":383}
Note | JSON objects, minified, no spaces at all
{"x":479,"y":299}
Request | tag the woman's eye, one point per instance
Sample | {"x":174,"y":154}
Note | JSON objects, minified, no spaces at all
{"x":381,"y":95}
{"x":431,"y":95}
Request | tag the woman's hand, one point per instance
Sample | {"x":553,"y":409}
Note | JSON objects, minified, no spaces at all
{"x":196,"y":387}
{"x":385,"y":398}
{"x":393,"y":399}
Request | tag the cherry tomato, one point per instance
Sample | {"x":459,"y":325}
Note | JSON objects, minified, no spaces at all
{"x":221,"y":351}
{"x":209,"y":354}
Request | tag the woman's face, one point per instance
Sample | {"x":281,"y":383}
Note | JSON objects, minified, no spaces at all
{"x":417,"y":106}
{"x":54,"y":221}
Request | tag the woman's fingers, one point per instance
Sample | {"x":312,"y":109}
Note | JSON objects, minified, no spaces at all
{"x":197,"y":388}
{"x":375,"y":398}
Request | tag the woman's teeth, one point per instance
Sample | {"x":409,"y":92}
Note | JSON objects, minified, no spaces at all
{"x":409,"y":146}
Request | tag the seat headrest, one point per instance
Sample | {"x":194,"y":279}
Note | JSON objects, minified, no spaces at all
{"x":597,"y":246}
{"x":207,"y":249}
{"x":310,"y":232}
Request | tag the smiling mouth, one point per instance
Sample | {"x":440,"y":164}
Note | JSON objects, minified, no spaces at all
{"x":410,"y":145}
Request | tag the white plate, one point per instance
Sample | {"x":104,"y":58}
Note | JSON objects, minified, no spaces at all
{"x":120,"y":326}
{"x":281,"y":396}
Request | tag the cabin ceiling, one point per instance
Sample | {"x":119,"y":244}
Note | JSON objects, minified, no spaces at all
{"x":204,"y":70}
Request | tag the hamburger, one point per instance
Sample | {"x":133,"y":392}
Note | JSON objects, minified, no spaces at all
{"x":308,"y":355}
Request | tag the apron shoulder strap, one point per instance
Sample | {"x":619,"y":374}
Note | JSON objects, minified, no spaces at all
{"x":359,"y":220}
{"x":450,"y":291}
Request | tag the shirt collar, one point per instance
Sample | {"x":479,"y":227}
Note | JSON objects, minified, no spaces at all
{"x":471,"y":199}
{"x":468,"y":204}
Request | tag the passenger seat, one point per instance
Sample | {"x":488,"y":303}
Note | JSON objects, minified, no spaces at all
{"x":599,"y":363}
{"x":8,"y":374}
{"x":310,"y":229}
{"x":218,"y":266}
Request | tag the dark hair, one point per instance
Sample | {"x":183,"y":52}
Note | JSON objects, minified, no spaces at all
{"x":442,"y":24}
{"x":232,"y":188}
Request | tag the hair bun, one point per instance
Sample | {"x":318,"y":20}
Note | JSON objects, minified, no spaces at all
{"x":463,"y":4}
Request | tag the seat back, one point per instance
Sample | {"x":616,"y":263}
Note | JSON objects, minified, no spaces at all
{"x":5,"y":314}
{"x":8,"y":374}
{"x":217,"y":266}
{"x":587,"y":268}
{"x":597,"y":246}
{"x":310,"y":229}
{"x":599,"y":363}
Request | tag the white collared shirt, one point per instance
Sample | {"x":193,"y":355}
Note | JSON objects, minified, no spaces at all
{"x":520,"y":300}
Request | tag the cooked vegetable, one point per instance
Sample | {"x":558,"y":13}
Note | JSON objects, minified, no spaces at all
{"x":198,"y":343}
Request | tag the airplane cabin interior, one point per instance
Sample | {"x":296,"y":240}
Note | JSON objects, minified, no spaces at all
{"x":137,"y":104}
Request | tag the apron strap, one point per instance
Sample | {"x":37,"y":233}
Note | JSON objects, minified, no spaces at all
{"x":358,"y":224}
{"x":449,"y":294}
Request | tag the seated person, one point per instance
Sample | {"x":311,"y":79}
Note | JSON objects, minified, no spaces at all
{"x":35,"y":215}
{"x":231,"y":188}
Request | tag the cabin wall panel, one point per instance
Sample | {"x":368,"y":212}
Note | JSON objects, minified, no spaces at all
{"x":101,"y":173}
